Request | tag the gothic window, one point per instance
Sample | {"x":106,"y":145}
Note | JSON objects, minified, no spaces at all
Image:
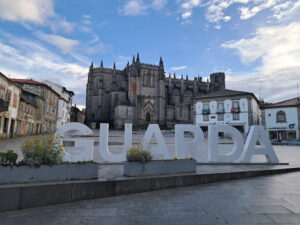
{"x":148,"y":80}
{"x":280,"y":117}
{"x":148,"y":117}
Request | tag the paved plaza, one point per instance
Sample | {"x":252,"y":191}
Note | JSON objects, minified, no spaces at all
{"x":290,"y":154}
{"x":264,"y":200}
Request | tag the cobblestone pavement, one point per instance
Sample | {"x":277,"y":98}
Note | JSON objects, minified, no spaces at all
{"x":263,"y":200}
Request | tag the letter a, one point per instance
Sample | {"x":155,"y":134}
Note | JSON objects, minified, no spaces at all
{"x":161,"y":148}
{"x":257,"y":133}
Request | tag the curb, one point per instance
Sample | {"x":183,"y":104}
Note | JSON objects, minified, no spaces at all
{"x":23,"y":196}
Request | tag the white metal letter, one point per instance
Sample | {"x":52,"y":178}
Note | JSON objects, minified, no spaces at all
{"x":83,"y":150}
{"x":103,"y":143}
{"x":258,"y":133}
{"x":237,"y":138}
{"x":161,"y":148}
{"x":182,"y":147}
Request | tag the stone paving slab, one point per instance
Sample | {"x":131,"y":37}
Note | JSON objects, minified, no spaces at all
{"x":234,"y":202}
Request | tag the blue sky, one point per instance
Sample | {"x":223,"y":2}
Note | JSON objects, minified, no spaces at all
{"x":255,"y":42}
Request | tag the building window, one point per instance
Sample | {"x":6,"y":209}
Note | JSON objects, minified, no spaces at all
{"x":205,"y":118}
{"x":8,"y":96}
{"x":236,"y":116}
{"x":2,"y":92}
{"x":220,"y":117}
{"x":235,"y":107}
{"x":205,"y":109}
{"x":220,"y":107}
{"x":280,"y":117}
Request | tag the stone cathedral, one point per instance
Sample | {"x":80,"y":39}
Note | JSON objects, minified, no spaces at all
{"x":141,"y":94}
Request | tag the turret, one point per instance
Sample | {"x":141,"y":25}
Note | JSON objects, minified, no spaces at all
{"x":138,"y":58}
{"x":207,"y":85}
{"x":133,"y":59}
{"x":174,"y":75}
{"x":217,"y":81}
{"x":161,"y":63}
{"x":101,"y":64}
{"x":91,"y":66}
{"x":187,"y":77}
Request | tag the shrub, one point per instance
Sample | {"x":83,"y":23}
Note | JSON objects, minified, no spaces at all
{"x":48,"y":151}
{"x":139,"y":153}
{"x":8,"y":158}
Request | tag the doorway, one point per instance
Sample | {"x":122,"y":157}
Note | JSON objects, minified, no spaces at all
{"x":148,"y":117}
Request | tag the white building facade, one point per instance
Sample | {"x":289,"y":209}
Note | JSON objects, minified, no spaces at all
{"x":235,"y":108}
{"x":282,"y":119}
{"x":64,"y":103}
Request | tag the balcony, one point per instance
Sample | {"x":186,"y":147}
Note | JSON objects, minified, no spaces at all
{"x":206,"y":111}
{"x":235,"y":109}
{"x":3,"y":105}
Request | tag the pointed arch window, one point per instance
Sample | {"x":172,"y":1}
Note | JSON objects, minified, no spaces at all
{"x":280,"y":117}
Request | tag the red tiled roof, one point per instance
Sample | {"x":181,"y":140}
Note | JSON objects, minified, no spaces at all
{"x":286,"y":103}
{"x":27,"y":81}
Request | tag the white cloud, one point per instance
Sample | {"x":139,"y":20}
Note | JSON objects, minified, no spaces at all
{"x":186,"y":15}
{"x":22,"y":58}
{"x":176,"y":68}
{"x":215,"y":10}
{"x":134,"y":8}
{"x":247,"y":12}
{"x":186,"y":8}
{"x":140,"y":7}
{"x":97,"y":48}
{"x":62,"y":43}
{"x":36,"y":12}
{"x":159,"y":4}
{"x":276,"y":47}
{"x":32,"y":11}
{"x":61,"y":24}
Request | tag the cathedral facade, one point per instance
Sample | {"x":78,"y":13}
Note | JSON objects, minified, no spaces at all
{"x":141,"y":94}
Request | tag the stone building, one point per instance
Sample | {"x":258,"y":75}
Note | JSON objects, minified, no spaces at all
{"x":77,"y":115}
{"x":64,"y":103}
{"x":141,"y":94}
{"x":30,"y":114}
{"x":9,"y":104}
{"x":48,"y":111}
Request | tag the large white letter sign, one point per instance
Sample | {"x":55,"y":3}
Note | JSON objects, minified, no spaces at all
{"x":237,"y":139}
{"x":258,"y":133}
{"x":161,"y":148}
{"x":182,"y":147}
{"x":83,"y":149}
{"x":103,"y":143}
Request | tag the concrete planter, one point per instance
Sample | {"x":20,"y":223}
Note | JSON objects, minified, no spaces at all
{"x":61,"y":172}
{"x":157,"y":167}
